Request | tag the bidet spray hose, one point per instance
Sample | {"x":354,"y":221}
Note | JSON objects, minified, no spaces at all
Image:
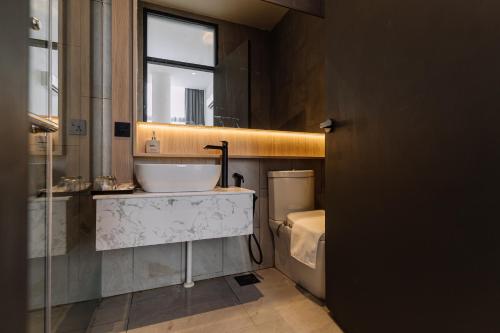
{"x":238,"y":180}
{"x":258,"y":262}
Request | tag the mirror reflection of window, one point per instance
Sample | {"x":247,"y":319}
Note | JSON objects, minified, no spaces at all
{"x":39,"y":77}
{"x":179,"y":61}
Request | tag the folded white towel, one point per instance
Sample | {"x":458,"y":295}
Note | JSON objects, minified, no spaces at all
{"x":307,"y":229}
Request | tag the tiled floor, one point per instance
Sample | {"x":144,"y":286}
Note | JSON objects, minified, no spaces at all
{"x":216,"y":305}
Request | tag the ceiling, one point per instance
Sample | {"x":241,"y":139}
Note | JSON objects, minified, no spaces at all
{"x":254,"y":13}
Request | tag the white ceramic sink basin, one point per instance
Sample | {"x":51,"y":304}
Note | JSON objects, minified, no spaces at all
{"x":177,"y":177}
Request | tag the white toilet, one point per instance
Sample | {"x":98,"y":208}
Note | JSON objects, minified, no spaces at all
{"x":291,"y":198}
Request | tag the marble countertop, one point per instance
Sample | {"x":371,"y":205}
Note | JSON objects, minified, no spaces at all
{"x":141,"y":194}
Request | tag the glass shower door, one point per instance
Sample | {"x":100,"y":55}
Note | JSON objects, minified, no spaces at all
{"x":63,"y":264}
{"x":43,"y":116}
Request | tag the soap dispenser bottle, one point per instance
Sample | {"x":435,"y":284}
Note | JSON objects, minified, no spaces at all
{"x":153,"y":145}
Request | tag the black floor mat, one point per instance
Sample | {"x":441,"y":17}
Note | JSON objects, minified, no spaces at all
{"x":247,"y":279}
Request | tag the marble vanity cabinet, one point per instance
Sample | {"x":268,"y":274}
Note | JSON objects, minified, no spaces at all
{"x":141,"y":219}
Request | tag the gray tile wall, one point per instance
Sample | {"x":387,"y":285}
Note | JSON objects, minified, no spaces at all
{"x":298,"y":92}
{"x":162,"y":265}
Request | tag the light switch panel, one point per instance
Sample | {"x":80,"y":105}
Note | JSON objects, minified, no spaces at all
{"x":77,"y":127}
{"x":122,"y":129}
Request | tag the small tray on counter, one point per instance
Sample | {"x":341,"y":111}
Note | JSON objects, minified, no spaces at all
{"x":60,"y":192}
{"x":125,"y":188}
{"x":108,"y":192}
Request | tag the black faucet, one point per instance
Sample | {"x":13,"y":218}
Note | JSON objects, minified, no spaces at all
{"x":223,"y":161}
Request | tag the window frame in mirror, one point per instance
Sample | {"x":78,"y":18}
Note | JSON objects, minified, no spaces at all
{"x":168,"y":62}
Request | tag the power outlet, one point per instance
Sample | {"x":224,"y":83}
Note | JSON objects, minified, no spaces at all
{"x":77,"y":127}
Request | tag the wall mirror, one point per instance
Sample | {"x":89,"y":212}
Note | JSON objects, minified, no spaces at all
{"x":45,"y":72}
{"x":246,"y":64}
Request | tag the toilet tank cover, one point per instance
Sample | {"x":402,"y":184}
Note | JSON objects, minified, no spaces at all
{"x":290,"y":174}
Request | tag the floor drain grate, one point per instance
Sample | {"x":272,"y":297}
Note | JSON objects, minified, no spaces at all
{"x":247,"y":279}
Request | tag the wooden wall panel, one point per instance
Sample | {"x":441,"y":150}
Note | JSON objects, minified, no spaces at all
{"x":72,"y":152}
{"x":188,"y":141}
{"x":121,"y":94}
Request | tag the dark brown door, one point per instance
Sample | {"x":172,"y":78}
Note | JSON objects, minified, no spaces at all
{"x":413,"y":170}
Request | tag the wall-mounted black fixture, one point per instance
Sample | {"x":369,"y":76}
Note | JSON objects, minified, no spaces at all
{"x":223,"y":161}
{"x":238,"y":179}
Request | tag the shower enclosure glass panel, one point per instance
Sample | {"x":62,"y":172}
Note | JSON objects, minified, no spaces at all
{"x":40,"y":104}
{"x":37,"y":235}
{"x":63,"y":266}
{"x":43,"y":111}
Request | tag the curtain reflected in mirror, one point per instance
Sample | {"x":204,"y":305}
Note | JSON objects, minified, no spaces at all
{"x":195,"y":106}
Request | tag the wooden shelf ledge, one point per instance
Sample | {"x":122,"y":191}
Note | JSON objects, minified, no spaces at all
{"x":188,"y":141}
